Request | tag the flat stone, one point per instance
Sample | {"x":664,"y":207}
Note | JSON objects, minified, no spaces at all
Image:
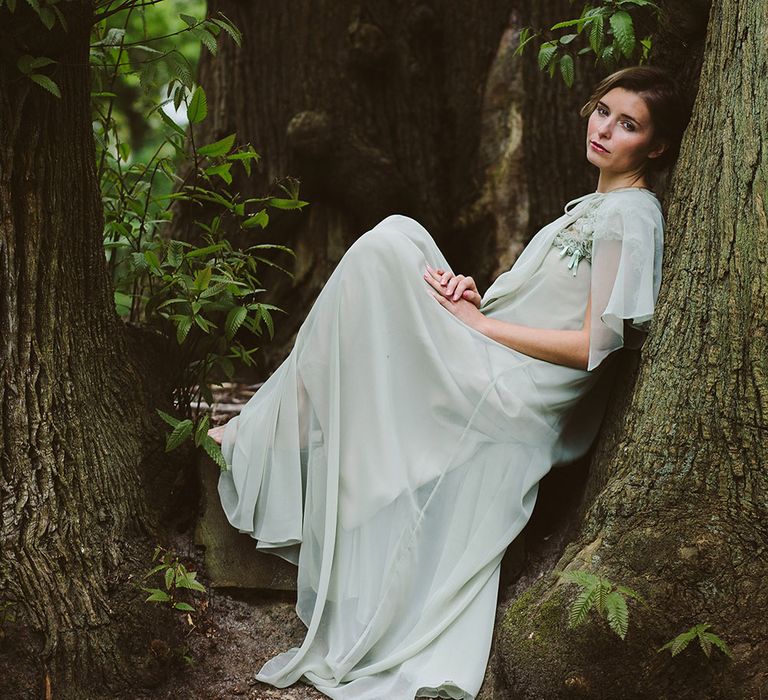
{"x":231,"y":557}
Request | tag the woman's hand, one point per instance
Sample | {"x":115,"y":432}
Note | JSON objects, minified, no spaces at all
{"x":464,"y":309}
{"x":217,"y":433}
{"x":452,"y":286}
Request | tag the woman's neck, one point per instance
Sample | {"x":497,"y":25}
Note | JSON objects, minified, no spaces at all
{"x":607,"y":185}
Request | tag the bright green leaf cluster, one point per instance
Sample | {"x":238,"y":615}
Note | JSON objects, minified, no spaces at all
{"x":609,"y":30}
{"x":175,"y":577}
{"x":599,"y":594}
{"x":202,"y":296}
{"x":706,"y":639}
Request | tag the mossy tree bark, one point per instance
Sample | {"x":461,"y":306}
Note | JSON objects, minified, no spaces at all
{"x":675,"y":505}
{"x":382,"y":108}
{"x":74,"y":416}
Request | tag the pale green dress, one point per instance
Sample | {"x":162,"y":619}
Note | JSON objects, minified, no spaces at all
{"x":396,"y":452}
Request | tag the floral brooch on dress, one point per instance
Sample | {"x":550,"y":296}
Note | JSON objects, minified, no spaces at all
{"x":575,"y":240}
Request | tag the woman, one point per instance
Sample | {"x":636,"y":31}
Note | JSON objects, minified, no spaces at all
{"x":396,"y":452}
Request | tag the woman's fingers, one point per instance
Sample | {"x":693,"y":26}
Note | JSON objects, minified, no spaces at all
{"x":434,"y":283}
{"x":473,"y":296}
{"x":462,"y":284}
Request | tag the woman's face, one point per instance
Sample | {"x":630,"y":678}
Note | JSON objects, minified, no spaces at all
{"x":621,"y":124}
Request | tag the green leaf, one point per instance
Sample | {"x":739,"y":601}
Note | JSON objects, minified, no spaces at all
{"x":222,"y":170}
{"x":182,"y":329}
{"x":175,"y":253}
{"x":45,"y":82}
{"x":617,"y":613}
{"x":267,"y":319}
{"x":189,"y":20}
{"x":157,"y":595}
{"x":183,"y":606}
{"x":581,"y":577}
{"x":280,"y":203}
{"x":259,"y":219}
{"x":172,"y":123}
{"x":567,"y":38}
{"x":719,"y":643}
{"x":203,"y":278}
{"x":180,"y":433}
{"x":152,"y":259}
{"x":202,"y":430}
{"x":582,"y":605}
{"x":596,"y":34}
{"x":602,"y":592}
{"x":123,"y":303}
{"x":154,"y":570}
{"x":569,"y":23}
{"x":623,"y":32}
{"x":188,"y":581}
{"x":214,"y":451}
{"x":206,"y":38}
{"x":218,"y":148}
{"x":566,"y":69}
{"x":169,"y":578}
{"x":679,"y":643}
{"x":229,"y":28}
{"x":198,"y":106}
{"x":173,"y":422}
{"x":204,"y":324}
{"x":546,"y":52}
{"x":207,"y":250}
{"x":235,"y":319}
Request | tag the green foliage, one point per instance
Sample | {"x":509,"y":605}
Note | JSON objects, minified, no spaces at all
{"x":176,"y":579}
{"x":597,"y":593}
{"x":707,"y":640}
{"x":607,"y":30}
{"x":201,"y":296}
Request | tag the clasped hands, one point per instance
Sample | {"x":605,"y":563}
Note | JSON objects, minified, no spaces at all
{"x":456,"y":293}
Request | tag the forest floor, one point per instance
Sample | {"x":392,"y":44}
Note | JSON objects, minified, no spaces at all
{"x":236,"y":631}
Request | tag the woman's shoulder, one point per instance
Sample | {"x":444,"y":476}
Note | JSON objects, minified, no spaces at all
{"x":631,"y":206}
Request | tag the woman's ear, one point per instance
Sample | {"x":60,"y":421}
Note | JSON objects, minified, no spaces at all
{"x":656,"y":152}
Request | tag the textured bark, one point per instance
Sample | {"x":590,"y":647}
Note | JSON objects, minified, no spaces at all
{"x":381,"y":108}
{"x":676,"y":501}
{"x":74,"y":425}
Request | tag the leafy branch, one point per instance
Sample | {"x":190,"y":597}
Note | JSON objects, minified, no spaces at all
{"x":607,"y":30}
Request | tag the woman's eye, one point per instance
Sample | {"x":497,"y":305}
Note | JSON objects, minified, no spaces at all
{"x":630,"y":126}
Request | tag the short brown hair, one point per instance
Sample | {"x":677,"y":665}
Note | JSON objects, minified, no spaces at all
{"x":665,"y":104}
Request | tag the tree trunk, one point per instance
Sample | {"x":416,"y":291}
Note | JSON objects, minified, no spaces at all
{"x":675,"y":505}
{"x":382,"y":108}
{"x":74,"y":424}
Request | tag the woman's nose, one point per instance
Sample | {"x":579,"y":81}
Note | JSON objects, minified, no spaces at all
{"x":604,"y":129}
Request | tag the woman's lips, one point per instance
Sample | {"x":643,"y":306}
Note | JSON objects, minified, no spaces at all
{"x":598,"y":147}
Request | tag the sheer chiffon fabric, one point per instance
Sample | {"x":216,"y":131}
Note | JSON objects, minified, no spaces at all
{"x":396,"y":452}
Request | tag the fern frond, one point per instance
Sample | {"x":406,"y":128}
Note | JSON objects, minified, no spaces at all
{"x":581,"y":577}
{"x":719,"y":643}
{"x":617,"y":613}
{"x":603,"y":589}
{"x":582,"y":605}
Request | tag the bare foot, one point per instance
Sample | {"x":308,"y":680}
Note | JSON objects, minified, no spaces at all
{"x":217,"y":433}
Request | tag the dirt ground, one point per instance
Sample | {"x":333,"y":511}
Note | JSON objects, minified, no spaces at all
{"x":235,"y":633}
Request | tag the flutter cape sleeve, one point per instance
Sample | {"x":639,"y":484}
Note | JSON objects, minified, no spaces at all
{"x":627,"y":250}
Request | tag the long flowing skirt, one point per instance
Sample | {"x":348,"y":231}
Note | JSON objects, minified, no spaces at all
{"x":393,"y":456}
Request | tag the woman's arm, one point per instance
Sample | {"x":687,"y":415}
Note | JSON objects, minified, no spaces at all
{"x":562,"y":347}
